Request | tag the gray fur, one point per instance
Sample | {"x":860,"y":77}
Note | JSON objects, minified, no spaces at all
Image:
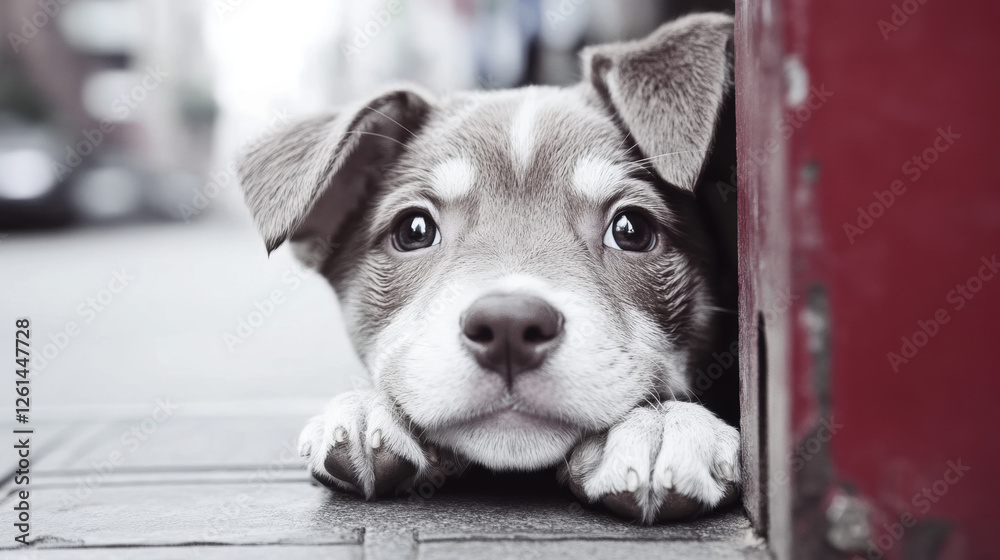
{"x":668,"y":89}
{"x":523,"y":185}
{"x":285,"y":175}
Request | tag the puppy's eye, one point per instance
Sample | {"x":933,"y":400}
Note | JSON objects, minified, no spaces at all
{"x":416,"y":230}
{"x":630,"y":231}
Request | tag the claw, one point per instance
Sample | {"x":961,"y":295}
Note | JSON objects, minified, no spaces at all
{"x":726,"y":471}
{"x":339,"y":435}
{"x":668,"y":479}
{"x":376,"y":440}
{"x":632,"y":480}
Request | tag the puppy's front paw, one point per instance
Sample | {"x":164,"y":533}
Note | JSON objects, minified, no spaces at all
{"x":360,"y":444}
{"x":673,"y":461}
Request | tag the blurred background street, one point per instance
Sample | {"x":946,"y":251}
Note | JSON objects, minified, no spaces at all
{"x":164,"y":335}
{"x":173,"y":362}
{"x":119,"y":125}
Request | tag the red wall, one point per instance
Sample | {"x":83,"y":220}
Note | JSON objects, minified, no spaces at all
{"x":892,"y":93}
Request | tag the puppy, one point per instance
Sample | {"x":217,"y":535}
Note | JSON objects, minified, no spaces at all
{"x":523,"y":273}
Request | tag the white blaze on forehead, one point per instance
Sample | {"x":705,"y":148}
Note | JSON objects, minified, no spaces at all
{"x":453,"y":178}
{"x":522,"y":132}
{"x":598,"y":178}
{"x":510,"y":283}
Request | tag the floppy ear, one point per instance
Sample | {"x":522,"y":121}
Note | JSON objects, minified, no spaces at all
{"x":304,"y":182}
{"x":667,"y":90}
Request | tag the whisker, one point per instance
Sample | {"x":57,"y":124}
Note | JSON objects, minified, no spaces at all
{"x":627,"y":134}
{"x":393,"y":120}
{"x":719,"y":309}
{"x":376,"y":134}
{"x":634,"y":165}
{"x":670,"y":154}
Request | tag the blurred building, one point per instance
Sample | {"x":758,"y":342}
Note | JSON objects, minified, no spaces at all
{"x":117,"y":110}
{"x":106,"y":109}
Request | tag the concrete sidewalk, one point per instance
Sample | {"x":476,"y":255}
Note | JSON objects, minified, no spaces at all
{"x":225,"y":484}
{"x":154,"y":438}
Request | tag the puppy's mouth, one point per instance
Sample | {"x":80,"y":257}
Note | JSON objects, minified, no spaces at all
{"x":510,"y":412}
{"x":509,"y":436}
{"x":514,"y":419}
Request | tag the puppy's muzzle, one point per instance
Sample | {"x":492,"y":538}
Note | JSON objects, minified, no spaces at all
{"x":509,"y":333}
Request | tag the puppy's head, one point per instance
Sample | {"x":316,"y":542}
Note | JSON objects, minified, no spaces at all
{"x":517,"y":268}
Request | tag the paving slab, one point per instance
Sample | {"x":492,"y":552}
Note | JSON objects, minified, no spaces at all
{"x":184,"y":442}
{"x":228,"y":485}
{"x":501,"y":520}
{"x":578,"y":549}
{"x":335,"y":552}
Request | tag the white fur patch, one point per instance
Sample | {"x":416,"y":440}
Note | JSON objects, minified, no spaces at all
{"x":675,"y":447}
{"x":522,"y":132}
{"x":362,"y":421}
{"x":437,"y":382}
{"x":510,"y":283}
{"x":453,"y":178}
{"x":597,"y":178}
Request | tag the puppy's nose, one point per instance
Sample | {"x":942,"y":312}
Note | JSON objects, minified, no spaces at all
{"x":510,"y":333}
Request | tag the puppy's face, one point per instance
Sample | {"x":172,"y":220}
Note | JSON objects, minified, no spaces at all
{"x":517,"y":268}
{"x":521,"y":278}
